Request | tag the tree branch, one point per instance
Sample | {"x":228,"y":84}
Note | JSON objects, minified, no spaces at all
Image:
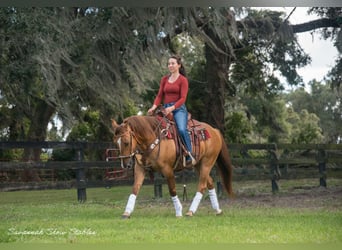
{"x":315,"y":24}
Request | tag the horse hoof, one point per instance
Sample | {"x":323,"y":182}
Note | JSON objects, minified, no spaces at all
{"x":219,"y":212}
{"x":125,"y":216}
{"x":189,"y":214}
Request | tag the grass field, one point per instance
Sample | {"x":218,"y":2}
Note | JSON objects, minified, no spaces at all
{"x":300,"y":213}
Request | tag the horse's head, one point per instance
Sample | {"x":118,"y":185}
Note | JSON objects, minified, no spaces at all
{"x":123,"y":137}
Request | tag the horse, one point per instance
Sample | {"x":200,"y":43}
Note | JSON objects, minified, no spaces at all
{"x":143,"y":145}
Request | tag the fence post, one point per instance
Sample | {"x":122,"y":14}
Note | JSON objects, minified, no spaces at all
{"x":80,"y":178}
{"x":219,"y":188}
{"x":321,"y":158}
{"x":158,"y":188}
{"x":275,"y":172}
{"x":185,"y":193}
{"x":285,"y":155}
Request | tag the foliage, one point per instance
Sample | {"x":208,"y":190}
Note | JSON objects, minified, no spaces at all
{"x":266,"y":48}
{"x":88,"y":129}
{"x":274,"y":121}
{"x":304,"y":127}
{"x":325,"y":104}
{"x":329,"y":12}
{"x":110,"y":60}
{"x":335,"y":74}
{"x":10,"y":154}
{"x":239,"y":125}
{"x":335,"y":34}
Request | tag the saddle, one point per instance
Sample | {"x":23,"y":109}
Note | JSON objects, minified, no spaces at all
{"x":195,"y":128}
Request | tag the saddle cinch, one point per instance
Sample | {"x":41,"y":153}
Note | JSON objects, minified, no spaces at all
{"x":196,"y":131}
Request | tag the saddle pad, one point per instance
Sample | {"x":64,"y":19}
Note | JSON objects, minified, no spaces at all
{"x":194,"y":127}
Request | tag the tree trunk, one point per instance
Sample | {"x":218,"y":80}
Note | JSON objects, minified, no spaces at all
{"x":217,"y":65}
{"x":37,"y":132}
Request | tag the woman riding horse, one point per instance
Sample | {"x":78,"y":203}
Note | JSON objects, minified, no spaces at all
{"x":142,"y":143}
{"x":173,"y":90}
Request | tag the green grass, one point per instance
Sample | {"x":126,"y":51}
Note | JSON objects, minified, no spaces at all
{"x":54,"y":216}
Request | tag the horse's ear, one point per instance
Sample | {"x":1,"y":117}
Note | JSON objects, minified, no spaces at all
{"x":114,"y":124}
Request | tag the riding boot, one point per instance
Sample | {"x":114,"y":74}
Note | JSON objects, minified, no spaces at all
{"x":190,"y":159}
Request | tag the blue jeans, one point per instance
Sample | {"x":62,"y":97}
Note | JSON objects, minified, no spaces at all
{"x":180,"y":116}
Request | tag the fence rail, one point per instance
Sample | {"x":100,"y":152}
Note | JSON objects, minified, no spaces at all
{"x":272,"y":157}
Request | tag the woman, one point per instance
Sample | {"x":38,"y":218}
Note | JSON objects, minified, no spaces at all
{"x":173,"y":91}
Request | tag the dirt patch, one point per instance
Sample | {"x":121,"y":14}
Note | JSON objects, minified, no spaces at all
{"x":301,"y":197}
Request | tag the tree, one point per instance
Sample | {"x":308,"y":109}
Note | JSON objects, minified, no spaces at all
{"x":57,"y":68}
{"x":256,"y":81}
{"x":331,"y":23}
{"x":323,"y":102}
{"x":67,"y":69}
{"x":307,"y":129}
{"x":239,"y":124}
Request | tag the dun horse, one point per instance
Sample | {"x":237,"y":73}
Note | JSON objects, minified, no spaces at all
{"x":143,"y":144}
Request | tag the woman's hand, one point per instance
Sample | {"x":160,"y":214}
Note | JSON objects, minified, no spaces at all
{"x":168,"y":110}
{"x":150,"y":111}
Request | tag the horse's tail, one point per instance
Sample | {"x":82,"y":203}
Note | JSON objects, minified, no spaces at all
{"x":226,"y":168}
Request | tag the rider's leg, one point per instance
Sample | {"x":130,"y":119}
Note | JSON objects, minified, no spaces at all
{"x":180,"y":116}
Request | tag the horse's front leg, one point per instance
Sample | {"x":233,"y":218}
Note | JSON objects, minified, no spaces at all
{"x":202,"y":185}
{"x":171,"y":182}
{"x":139,"y":176}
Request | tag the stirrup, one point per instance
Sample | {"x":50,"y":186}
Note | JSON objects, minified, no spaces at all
{"x":193,"y":161}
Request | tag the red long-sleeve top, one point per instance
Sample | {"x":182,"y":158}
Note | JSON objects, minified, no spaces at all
{"x":172,"y":92}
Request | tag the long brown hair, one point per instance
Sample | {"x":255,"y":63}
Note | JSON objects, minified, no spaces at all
{"x":179,"y":61}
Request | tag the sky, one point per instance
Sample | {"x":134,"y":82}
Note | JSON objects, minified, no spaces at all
{"x":322,"y":52}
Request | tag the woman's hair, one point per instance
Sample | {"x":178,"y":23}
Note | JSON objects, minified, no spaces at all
{"x":179,"y":61}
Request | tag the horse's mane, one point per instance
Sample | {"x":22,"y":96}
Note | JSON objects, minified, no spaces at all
{"x":144,"y":127}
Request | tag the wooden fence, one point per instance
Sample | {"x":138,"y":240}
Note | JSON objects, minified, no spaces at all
{"x":287,"y":161}
{"x":79,"y":164}
{"x":251,"y":161}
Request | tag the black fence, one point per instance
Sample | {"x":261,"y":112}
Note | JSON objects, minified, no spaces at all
{"x":251,"y":161}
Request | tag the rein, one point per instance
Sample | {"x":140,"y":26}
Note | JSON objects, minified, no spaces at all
{"x":154,"y":144}
{"x":149,"y":149}
{"x":132,"y":154}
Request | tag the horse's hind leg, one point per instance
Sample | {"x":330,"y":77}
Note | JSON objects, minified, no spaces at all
{"x":213,"y":196}
{"x":205,"y":182}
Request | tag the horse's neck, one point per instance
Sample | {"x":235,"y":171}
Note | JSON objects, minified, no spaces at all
{"x":145,"y":137}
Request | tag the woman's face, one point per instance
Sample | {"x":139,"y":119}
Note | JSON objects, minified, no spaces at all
{"x":173,"y":66}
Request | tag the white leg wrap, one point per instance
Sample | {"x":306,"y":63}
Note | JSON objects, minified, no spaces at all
{"x":213,"y":199}
{"x":130,"y":204}
{"x":195,"y":202}
{"x":177,"y":205}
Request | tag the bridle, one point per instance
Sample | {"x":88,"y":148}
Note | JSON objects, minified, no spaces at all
{"x":134,"y":152}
